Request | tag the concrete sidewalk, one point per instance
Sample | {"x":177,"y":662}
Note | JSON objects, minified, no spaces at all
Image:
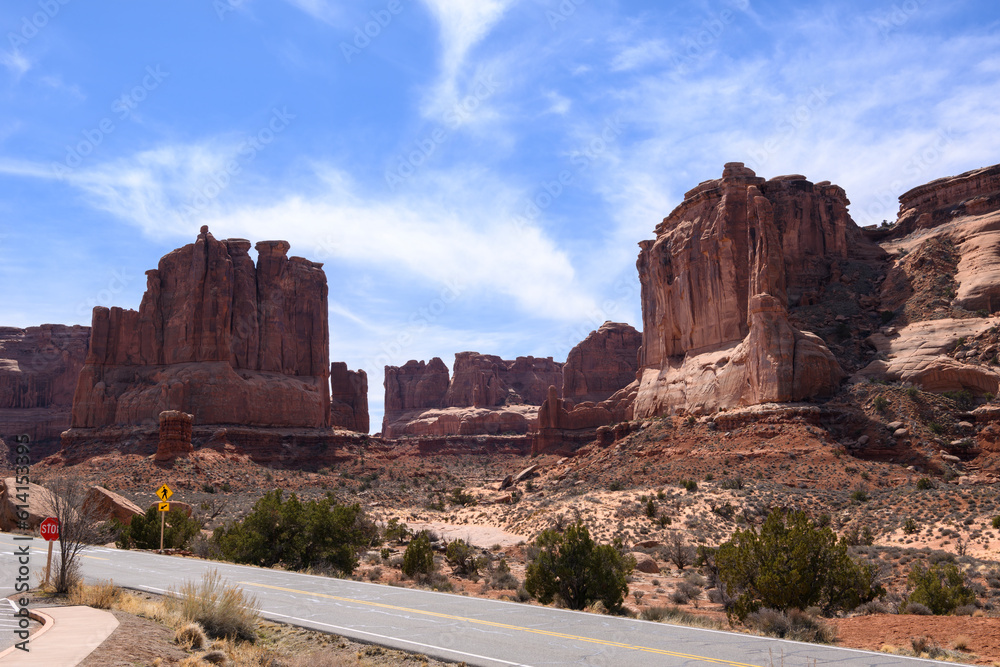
{"x":68,"y":636}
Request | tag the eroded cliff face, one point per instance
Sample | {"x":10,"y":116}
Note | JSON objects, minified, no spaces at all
{"x":943,"y":288}
{"x":39,"y":367}
{"x":602,"y":363}
{"x":348,"y":398}
{"x":486,"y":395}
{"x":216,"y":337}
{"x":717,"y":283}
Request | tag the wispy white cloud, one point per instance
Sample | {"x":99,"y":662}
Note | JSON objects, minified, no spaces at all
{"x":461,"y":24}
{"x":324,"y":10}
{"x":16,"y":62}
{"x":445,"y":232}
{"x":648,"y":52}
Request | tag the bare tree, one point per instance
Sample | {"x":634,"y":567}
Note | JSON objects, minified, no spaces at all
{"x":679,"y":552}
{"x":77,"y":528}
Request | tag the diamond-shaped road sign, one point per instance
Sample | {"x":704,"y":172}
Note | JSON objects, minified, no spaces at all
{"x":164,"y":493}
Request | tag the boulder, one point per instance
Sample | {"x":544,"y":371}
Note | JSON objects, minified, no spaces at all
{"x":644,"y":563}
{"x":525,"y":474}
{"x":103,"y":505}
{"x":40,"y":505}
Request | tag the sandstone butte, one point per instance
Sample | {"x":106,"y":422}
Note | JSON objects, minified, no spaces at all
{"x":222,"y":339}
{"x":737,"y":283}
{"x":490,"y":395}
{"x":742,"y":258}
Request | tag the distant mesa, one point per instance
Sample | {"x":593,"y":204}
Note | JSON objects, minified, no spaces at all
{"x":487,"y":395}
{"x":222,"y":339}
{"x":39,"y":367}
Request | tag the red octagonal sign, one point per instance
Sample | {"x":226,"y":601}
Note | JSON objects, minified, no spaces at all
{"x":50,"y":529}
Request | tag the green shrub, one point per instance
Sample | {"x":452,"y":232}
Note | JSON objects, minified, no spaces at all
{"x":616,"y":485}
{"x":501,"y":577}
{"x":940,"y":588}
{"x":996,"y":522}
{"x":222,"y":610}
{"x":572,"y":566}
{"x":144,"y":530}
{"x":299,"y":535}
{"x":859,"y":495}
{"x":462,"y":557}
{"x":792,"y":566}
{"x":418,"y":557}
{"x":650,"y":509}
{"x":459,"y":496}
{"x":881,"y":403}
{"x":689,"y":485}
{"x":924,"y":483}
{"x":910,"y":527}
{"x":396,"y":531}
{"x":732,"y":483}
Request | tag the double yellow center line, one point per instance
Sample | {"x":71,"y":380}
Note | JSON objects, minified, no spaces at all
{"x":505,"y":626}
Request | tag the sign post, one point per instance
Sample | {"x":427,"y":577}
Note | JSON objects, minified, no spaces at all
{"x":49,"y":529}
{"x":163,"y":493}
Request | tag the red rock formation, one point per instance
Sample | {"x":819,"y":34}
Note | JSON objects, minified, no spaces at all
{"x":601,"y":364}
{"x":348,"y":398}
{"x":717,"y":283}
{"x":216,"y":337}
{"x":175,"y":435}
{"x":420,"y":399}
{"x":415,"y":386}
{"x":940,"y":201}
{"x":485,"y":380}
{"x":38,"y":372}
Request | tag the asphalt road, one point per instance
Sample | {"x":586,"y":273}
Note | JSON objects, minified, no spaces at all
{"x":454,"y":627}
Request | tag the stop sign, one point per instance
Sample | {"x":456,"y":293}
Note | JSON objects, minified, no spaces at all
{"x":50,"y":529}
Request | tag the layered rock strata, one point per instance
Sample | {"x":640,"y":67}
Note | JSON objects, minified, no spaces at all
{"x":602,"y":363}
{"x":348,"y":398}
{"x":39,"y":367}
{"x":943,"y":287}
{"x":175,"y":435}
{"x":717,"y":283}
{"x":217,"y":337}
{"x":486,"y":395}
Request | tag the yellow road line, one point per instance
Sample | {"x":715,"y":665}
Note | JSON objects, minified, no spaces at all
{"x":548,"y":633}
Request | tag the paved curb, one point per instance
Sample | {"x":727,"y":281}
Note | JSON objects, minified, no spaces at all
{"x":47,"y":624}
{"x":80,"y":630}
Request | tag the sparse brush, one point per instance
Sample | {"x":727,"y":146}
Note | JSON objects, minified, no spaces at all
{"x":101,"y":595}
{"x":221,"y":609}
{"x":215,"y":657}
{"x":192,"y":635}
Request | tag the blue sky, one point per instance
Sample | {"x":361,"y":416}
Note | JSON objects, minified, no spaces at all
{"x":475,"y":174}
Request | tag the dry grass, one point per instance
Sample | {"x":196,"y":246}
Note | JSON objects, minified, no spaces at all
{"x":222,"y":610}
{"x":102,"y":595}
{"x":192,"y":636}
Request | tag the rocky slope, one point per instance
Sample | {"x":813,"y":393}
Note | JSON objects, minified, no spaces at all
{"x":39,"y":367}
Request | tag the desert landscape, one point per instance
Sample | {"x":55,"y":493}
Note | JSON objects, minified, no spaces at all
{"x":493,"y":332}
{"x":789,"y":360}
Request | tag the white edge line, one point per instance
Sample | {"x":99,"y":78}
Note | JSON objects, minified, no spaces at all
{"x":373,"y":634}
{"x":397,"y":639}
